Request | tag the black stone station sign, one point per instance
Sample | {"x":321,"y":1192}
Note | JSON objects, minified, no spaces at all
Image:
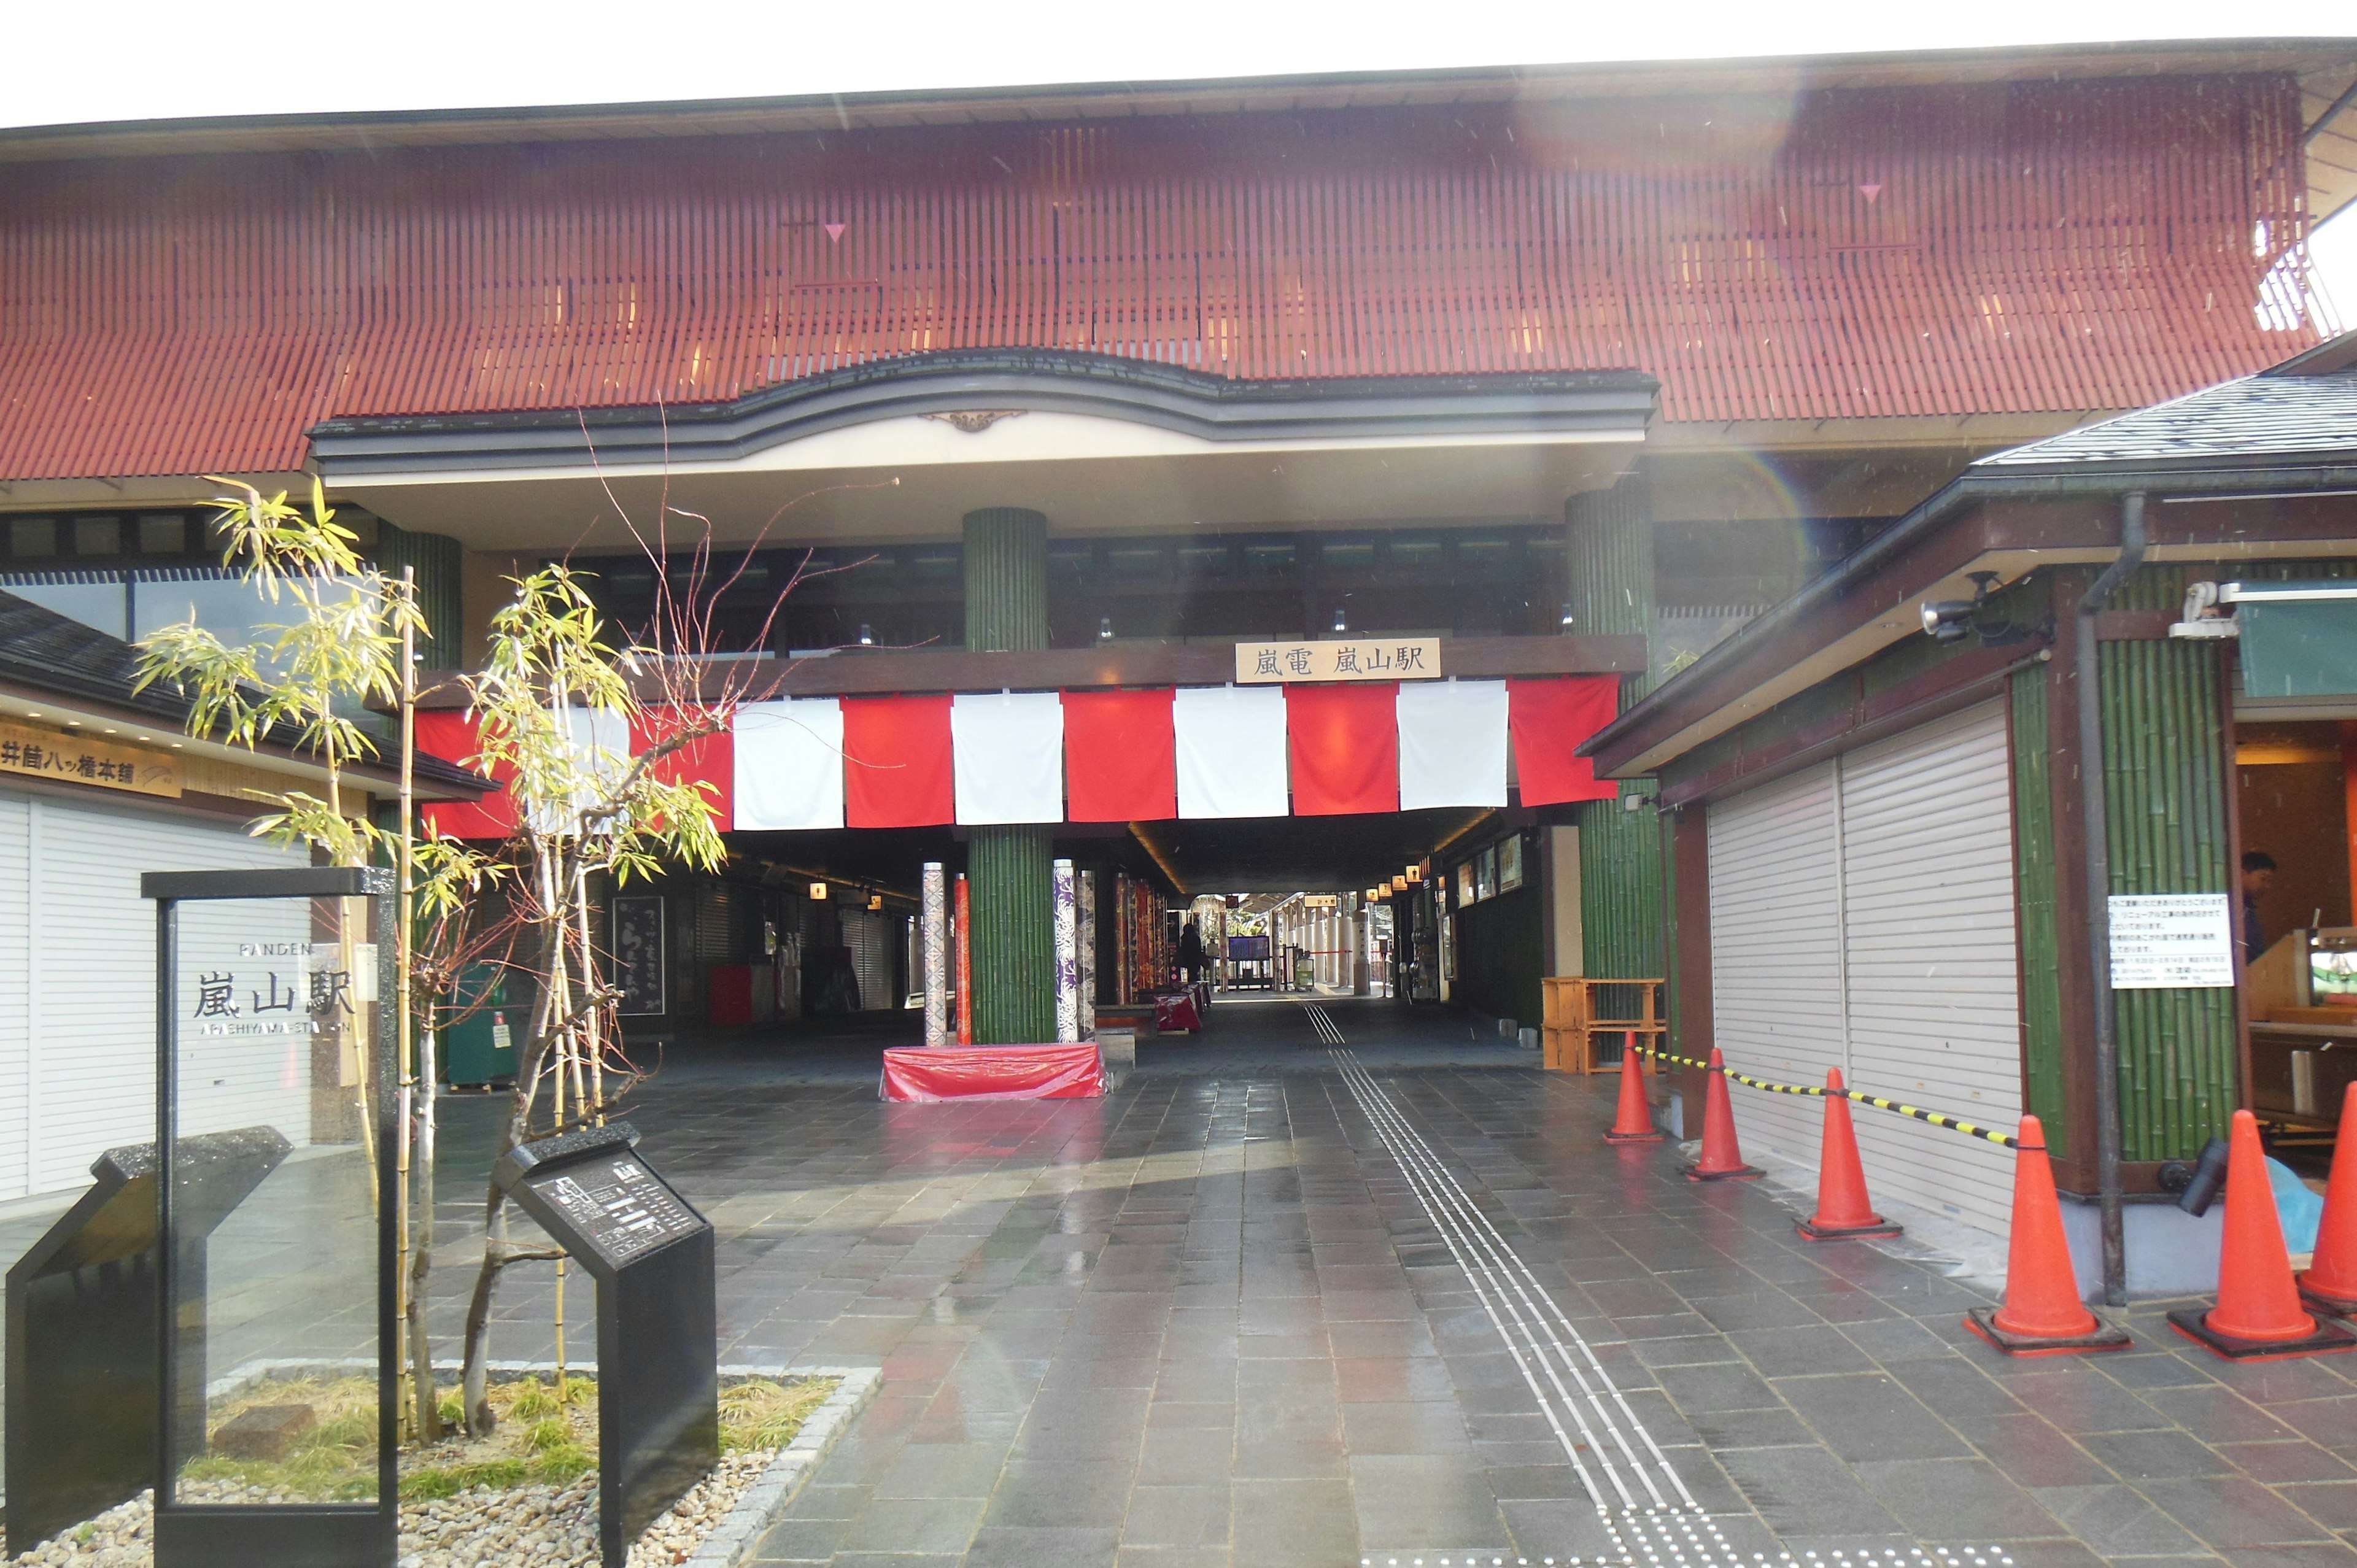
{"x":658,"y":1318}
{"x":82,"y":1330}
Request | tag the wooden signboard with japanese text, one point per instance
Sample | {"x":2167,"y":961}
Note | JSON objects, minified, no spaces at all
{"x":28,"y":752}
{"x":1352,"y":659}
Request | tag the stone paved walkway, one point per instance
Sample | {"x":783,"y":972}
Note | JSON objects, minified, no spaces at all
{"x":1215,"y":1319}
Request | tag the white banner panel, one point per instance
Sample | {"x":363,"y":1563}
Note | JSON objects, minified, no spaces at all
{"x":1230,"y":751}
{"x":1007,"y":751}
{"x":790,"y":765}
{"x":1452,"y":744}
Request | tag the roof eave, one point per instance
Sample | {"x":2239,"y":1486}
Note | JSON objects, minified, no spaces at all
{"x":1673,"y":704}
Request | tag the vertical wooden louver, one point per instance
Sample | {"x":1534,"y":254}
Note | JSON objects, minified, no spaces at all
{"x":2023,"y":246}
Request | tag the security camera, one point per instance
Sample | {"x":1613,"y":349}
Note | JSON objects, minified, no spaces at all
{"x":1948,"y":620}
{"x":1953,"y":621}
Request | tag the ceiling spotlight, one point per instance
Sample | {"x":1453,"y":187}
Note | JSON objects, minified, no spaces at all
{"x":867,"y":635}
{"x":1104,"y":629}
{"x":1340,"y":625}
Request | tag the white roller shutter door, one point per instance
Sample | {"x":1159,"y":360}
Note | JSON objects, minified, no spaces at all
{"x":1776,"y":951}
{"x":1920,"y":998}
{"x":1934,"y":987}
{"x":78,"y":974}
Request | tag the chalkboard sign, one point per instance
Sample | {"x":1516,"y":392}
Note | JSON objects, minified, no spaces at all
{"x":657,"y":1317}
{"x":616,"y":1206}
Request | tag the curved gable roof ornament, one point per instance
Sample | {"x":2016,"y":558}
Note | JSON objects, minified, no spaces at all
{"x":973,"y":388}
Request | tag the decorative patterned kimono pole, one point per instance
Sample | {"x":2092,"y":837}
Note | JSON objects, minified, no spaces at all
{"x":965,"y":962}
{"x":934,"y":936}
{"x":1121,"y":925}
{"x":1068,"y":953}
{"x":1088,"y":941}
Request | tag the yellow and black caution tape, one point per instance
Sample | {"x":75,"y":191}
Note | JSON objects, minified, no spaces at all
{"x":1937,"y":1119}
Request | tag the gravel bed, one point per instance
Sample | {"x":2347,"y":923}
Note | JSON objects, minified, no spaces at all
{"x":531,"y":1525}
{"x":539,"y":1526}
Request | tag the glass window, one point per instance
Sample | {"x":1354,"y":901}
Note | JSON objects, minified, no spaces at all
{"x":162,"y":534}
{"x":98,"y":535}
{"x":32,"y":537}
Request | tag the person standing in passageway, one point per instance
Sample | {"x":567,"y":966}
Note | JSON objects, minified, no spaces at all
{"x":2258,"y":875}
{"x":1191,"y":951}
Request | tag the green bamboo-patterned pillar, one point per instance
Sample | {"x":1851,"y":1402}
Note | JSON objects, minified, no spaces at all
{"x":1009,"y":867}
{"x":1609,"y":539}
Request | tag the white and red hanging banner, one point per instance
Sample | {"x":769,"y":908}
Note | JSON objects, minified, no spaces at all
{"x":1195,"y":752}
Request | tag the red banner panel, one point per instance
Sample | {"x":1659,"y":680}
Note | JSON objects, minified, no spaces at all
{"x":896,"y":762}
{"x":707,"y":759}
{"x":1344,"y":743}
{"x":994,"y":1072}
{"x":450,"y":735}
{"x":1120,"y":757}
{"x":1549,"y":718}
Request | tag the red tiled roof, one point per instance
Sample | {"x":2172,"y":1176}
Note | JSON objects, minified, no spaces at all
{"x":1998,"y":247}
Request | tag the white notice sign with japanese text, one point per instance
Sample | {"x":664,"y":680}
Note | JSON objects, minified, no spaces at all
{"x":2168,"y":940}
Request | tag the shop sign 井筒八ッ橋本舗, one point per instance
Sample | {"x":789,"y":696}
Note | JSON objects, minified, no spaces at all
{"x":27,"y":752}
{"x":1352,"y":659}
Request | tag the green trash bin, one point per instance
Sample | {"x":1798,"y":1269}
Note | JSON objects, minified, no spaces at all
{"x":481,"y":1026}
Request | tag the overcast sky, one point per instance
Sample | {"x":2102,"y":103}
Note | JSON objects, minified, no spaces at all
{"x":146,"y":59}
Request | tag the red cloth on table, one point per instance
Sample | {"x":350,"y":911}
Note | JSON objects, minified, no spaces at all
{"x":1550,"y":716}
{"x":896,"y":762}
{"x":452,"y":734}
{"x":994,"y":1072}
{"x":1177,"y":1012}
{"x":707,"y":759}
{"x":1120,"y":757}
{"x":1344,"y":742}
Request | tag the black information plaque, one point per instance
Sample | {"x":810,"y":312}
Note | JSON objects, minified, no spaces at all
{"x":82,"y":1330}
{"x":657,"y":1318}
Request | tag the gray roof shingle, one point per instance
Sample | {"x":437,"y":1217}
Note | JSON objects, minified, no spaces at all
{"x":2306,"y":407}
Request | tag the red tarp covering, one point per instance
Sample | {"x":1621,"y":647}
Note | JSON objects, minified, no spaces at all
{"x":896,"y":762}
{"x":1344,"y":742}
{"x":710,"y":760}
{"x":1120,"y":757}
{"x":449,"y":734}
{"x":1176,"y":1011}
{"x":1550,"y":717}
{"x":994,"y":1072}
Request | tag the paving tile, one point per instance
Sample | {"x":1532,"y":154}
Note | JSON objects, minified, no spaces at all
{"x":2232,"y":1512}
{"x":1405,"y":1500}
{"x":1801,"y":1490}
{"x":2117,"y":1521}
{"x":1870,"y":1416}
{"x":1957,"y":1499}
{"x":1193,"y":1516}
{"x":1071,"y":1547}
{"x":2155,"y":1455}
{"x":915,"y":1525}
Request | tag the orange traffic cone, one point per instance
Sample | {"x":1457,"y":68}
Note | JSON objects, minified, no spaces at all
{"x":2258,"y":1315}
{"x":1843,"y":1210}
{"x":1722,"y":1158}
{"x":1634,"y":1125}
{"x":2329,"y":1283}
{"x":2042,"y":1315}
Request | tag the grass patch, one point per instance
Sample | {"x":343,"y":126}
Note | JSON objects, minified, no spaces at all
{"x":334,"y":1461}
{"x":539,"y":1438}
{"x":762,"y":1413}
